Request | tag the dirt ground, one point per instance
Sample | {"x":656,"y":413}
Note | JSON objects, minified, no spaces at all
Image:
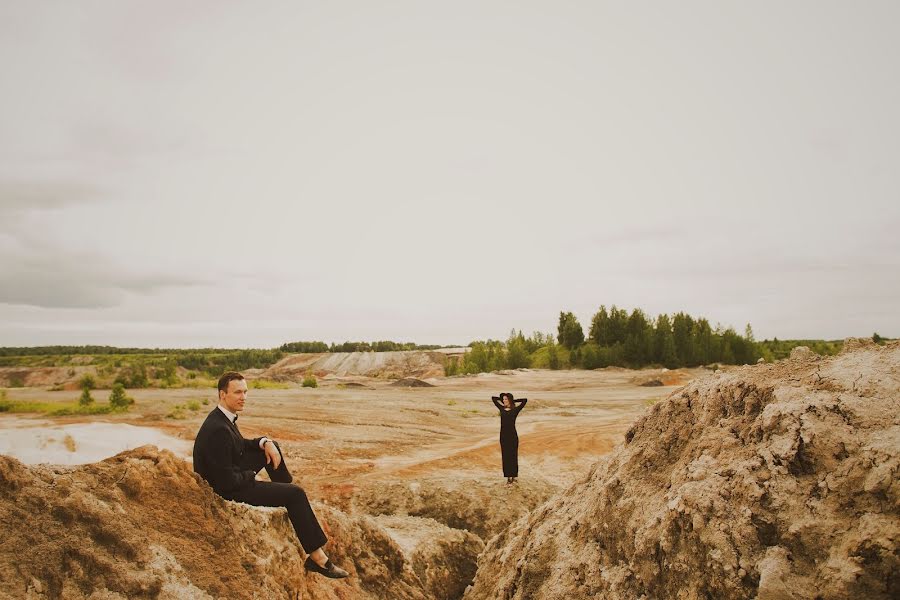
{"x":408,"y":480}
{"x":770,"y":481}
{"x":339,"y":437}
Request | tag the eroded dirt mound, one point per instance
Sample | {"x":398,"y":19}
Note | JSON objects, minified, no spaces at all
{"x":444,"y":559}
{"x":143,"y":525}
{"x":771,"y":481}
{"x":483,"y":506}
{"x":61,"y":377}
{"x":386,"y":365}
{"x":411,"y":382}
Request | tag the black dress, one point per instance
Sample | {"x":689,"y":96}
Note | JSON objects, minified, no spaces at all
{"x":509,"y":438}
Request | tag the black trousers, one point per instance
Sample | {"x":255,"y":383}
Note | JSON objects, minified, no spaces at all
{"x":281,"y":492}
{"x":509,"y":448}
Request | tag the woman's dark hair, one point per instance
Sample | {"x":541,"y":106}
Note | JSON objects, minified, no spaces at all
{"x":507,"y":395}
{"x":227,"y":378}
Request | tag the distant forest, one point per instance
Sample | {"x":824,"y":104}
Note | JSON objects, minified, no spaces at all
{"x":615,"y":337}
{"x":619,"y":338}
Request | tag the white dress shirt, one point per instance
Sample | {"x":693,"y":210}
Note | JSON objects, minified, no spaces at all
{"x":231,"y":417}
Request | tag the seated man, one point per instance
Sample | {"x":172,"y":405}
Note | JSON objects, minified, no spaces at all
{"x":229,"y":462}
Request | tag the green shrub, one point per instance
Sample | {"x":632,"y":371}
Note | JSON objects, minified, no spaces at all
{"x":138,"y":376}
{"x":310,"y":381}
{"x":87,"y":382}
{"x":452,"y":367}
{"x":86,"y":399}
{"x":553,"y":357}
{"x":267,"y":384}
{"x":118,"y":399}
{"x":193,"y":405}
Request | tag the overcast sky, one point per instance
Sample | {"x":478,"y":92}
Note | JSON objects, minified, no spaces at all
{"x":245,"y":174}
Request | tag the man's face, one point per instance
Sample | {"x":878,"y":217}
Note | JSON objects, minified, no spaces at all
{"x":233,"y":398}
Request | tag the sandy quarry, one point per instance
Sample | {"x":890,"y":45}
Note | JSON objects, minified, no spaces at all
{"x":771,"y":481}
{"x":355,"y":431}
{"x":423,"y":462}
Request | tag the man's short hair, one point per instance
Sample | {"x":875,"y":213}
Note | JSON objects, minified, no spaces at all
{"x":227,"y":378}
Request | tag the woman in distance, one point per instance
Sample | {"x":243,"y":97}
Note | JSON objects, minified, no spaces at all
{"x":509,"y":438}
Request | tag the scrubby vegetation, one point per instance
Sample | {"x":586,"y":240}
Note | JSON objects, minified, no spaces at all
{"x":136,"y":368}
{"x":268,"y":384}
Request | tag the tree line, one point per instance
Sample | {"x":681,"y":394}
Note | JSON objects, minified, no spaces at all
{"x":619,"y":338}
{"x":615,"y":337}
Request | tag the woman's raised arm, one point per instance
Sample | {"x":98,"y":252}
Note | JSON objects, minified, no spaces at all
{"x":496,"y":401}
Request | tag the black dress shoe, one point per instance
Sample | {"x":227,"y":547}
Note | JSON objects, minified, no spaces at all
{"x":329,"y":570}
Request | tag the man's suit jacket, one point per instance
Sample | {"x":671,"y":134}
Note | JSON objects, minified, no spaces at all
{"x":218,"y":450}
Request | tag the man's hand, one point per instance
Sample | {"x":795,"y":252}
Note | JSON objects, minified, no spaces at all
{"x":273,"y":456}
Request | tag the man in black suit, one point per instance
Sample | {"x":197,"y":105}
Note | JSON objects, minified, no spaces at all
{"x":229,"y":462}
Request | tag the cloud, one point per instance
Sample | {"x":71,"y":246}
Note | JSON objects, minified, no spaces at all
{"x":18,"y":198}
{"x":629,"y":235}
{"x":39,"y":270}
{"x":64,"y":280}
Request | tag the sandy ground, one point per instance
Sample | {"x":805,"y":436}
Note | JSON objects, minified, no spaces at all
{"x":337,"y":438}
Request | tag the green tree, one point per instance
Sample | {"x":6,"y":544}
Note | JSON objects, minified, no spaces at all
{"x":169,"y":374}
{"x":452,"y":367}
{"x":590,"y":356}
{"x":600,"y":332}
{"x":702,"y":347}
{"x":618,"y":326}
{"x":639,"y":339}
{"x":569,"y":332}
{"x":575,"y":358}
{"x":86,"y":399}
{"x":476,"y":359}
{"x":135,"y":376}
{"x":664,"y":343}
{"x":682,"y":325}
{"x":87,"y":381}
{"x":117,"y":397}
{"x":517,"y":351}
{"x":553,"y":355}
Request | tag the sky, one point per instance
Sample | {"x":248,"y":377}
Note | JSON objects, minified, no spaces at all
{"x":246,"y":174}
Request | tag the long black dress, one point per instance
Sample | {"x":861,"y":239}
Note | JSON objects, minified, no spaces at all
{"x":509,"y":438}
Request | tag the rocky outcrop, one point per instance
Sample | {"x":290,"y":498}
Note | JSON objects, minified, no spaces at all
{"x":143,"y":525}
{"x":775,"y":481}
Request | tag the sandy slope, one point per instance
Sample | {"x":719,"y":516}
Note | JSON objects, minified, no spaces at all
{"x":773,"y":482}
